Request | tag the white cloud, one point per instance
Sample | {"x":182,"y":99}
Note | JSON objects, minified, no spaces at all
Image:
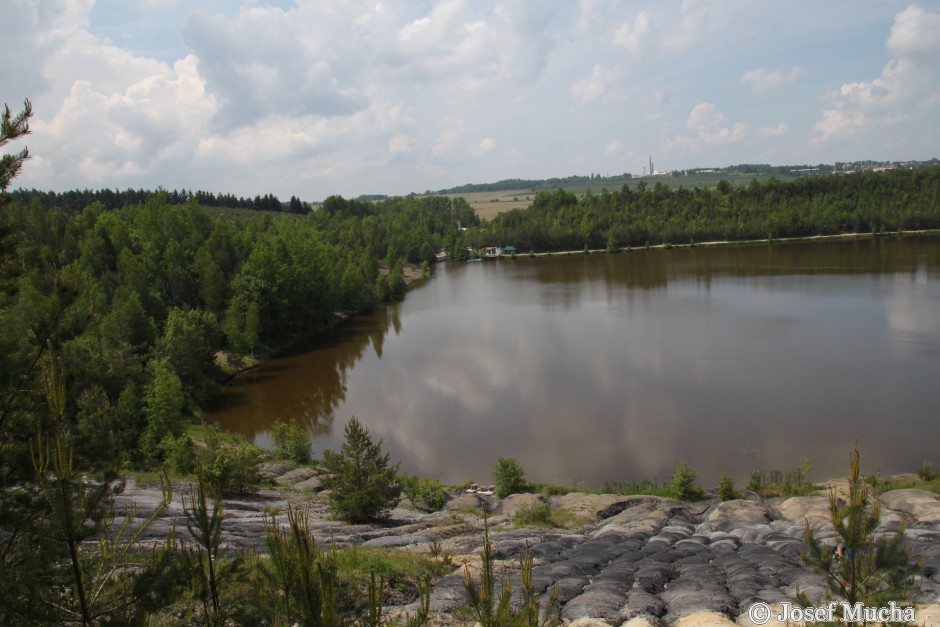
{"x":764,"y":80}
{"x":109,"y":115}
{"x":598,"y":84}
{"x":400,"y":144}
{"x":838,"y":123}
{"x":265,"y":61}
{"x":630,"y":36}
{"x":710,"y":130}
{"x":915,"y":35}
{"x":903,"y":91}
{"x":329,"y":97}
{"x":774,"y":131}
{"x":483,"y":147}
{"x":659,"y":98}
{"x":692,"y":27}
{"x":464,"y":49}
{"x":614,"y":148}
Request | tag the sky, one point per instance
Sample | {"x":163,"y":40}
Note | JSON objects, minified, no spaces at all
{"x":319,"y":97}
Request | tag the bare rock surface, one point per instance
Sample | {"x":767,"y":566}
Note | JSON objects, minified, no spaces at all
{"x":918,"y":505}
{"x":640,"y":561}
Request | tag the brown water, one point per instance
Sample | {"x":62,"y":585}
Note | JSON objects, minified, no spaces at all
{"x":594,"y":367}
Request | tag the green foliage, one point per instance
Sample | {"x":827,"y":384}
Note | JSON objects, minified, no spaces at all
{"x":544,"y":515}
{"x":13,"y":127}
{"x":424,"y":493}
{"x":870,"y":570}
{"x":165,"y":403}
{"x":188,"y":344}
{"x":539,"y":514}
{"x":683,"y":483}
{"x":295,"y":569}
{"x":204,"y":512}
{"x":756,"y":484}
{"x":927,"y":472}
{"x":178,"y":454}
{"x":363,"y":486}
{"x":64,"y":558}
{"x":230,"y":463}
{"x":641,"y":486}
{"x":778,"y":483}
{"x":904,"y":483}
{"x":291,"y":441}
{"x":726,"y":488}
{"x":806,"y":206}
{"x":509,"y":477}
{"x":490,"y":610}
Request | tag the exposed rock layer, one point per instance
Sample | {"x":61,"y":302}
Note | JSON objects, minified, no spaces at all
{"x":640,"y":560}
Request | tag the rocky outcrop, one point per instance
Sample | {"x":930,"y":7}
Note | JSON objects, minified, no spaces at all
{"x":638,"y":560}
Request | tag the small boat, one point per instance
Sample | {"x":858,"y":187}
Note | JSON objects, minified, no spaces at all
{"x":474,"y":260}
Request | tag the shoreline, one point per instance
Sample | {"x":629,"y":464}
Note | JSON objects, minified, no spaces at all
{"x":718,"y":244}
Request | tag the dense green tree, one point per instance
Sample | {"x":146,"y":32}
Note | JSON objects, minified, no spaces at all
{"x":165,"y":402}
{"x":363,"y":485}
{"x":509,"y":477}
{"x":189,"y":342}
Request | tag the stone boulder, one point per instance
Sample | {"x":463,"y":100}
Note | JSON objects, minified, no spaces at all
{"x":313,"y":484}
{"x":641,"y":515}
{"x":918,"y":505}
{"x":737,"y":513}
{"x":296,"y":475}
{"x":511,"y":505}
{"x":276,"y":468}
{"x":590,"y":506}
{"x":800,"y":509}
{"x":470,"y":500}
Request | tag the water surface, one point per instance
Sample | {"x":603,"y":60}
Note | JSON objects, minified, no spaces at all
{"x":600,"y":367}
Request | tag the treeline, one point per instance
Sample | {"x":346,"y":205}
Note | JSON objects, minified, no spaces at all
{"x":864,"y":202}
{"x":76,"y":200}
{"x":135,"y":303}
{"x":533,"y":184}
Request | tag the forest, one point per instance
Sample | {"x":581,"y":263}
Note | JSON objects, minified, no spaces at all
{"x":134,"y":297}
{"x":869,"y":202}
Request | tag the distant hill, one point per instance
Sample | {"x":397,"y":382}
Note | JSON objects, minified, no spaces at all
{"x":705,"y":176}
{"x":533,"y":184}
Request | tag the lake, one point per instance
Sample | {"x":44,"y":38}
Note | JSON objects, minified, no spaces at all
{"x":598,"y":367}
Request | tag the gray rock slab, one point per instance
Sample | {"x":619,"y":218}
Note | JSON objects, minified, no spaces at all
{"x":737,"y":514}
{"x":919,"y":505}
{"x":512,"y":504}
{"x":295,"y":476}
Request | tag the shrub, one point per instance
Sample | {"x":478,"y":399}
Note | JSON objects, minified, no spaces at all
{"x":641,"y":486}
{"x":726,"y":488}
{"x":683,"y":483}
{"x":756,"y":483}
{"x":926,"y":472}
{"x":291,"y":441}
{"x":230,"y":463}
{"x":178,"y":454}
{"x":509,"y":477}
{"x":426,"y":494}
{"x":779,"y":483}
{"x":362,"y":484}
{"x":539,"y":514}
